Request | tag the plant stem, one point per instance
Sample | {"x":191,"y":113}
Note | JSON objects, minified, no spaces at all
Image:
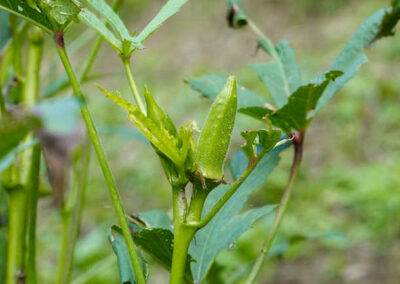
{"x":3,"y":110}
{"x":235,"y":186}
{"x":32,"y":205}
{"x":72,"y":212}
{"x":298,"y":154}
{"x":16,"y":234}
{"x":183,"y":234}
{"x":103,"y":163}
{"x":132,"y":84}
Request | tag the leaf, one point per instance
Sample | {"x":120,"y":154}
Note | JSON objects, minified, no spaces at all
{"x":61,"y":11}
{"x":228,"y":224}
{"x":211,"y":85}
{"x":159,"y":137}
{"x":281,"y":76}
{"x":111,"y":17}
{"x":13,"y":130}
{"x":352,"y":56}
{"x":256,"y":139}
{"x":297,"y":113}
{"x":9,"y":158}
{"x":168,"y":10}
{"x":156,"y":238}
{"x":5,"y":31}
{"x":95,"y":23}
{"x":23,"y":10}
{"x":389,"y":21}
{"x":256,"y":112}
{"x":60,"y":116}
{"x":126,"y":272}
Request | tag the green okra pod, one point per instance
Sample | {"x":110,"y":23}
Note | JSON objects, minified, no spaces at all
{"x":215,"y":137}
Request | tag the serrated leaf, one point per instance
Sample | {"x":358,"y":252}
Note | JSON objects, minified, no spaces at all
{"x":297,"y":113}
{"x":352,"y":56}
{"x":61,"y":11}
{"x":256,"y":112}
{"x":169,"y":9}
{"x":260,"y":138}
{"x":111,"y":17}
{"x":159,"y":137}
{"x":389,"y":21}
{"x":13,"y":130}
{"x":126,"y":273}
{"x":23,"y":10}
{"x":156,"y":238}
{"x":228,"y":224}
{"x":96,"y":24}
{"x":281,"y":76}
{"x":210,"y":86}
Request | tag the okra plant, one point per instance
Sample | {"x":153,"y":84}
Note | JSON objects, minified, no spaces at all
{"x":206,"y":197}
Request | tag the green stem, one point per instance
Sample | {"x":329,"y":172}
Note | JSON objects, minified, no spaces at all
{"x":183,"y":234}
{"x":132,"y":84}
{"x":16,"y":235}
{"x":298,"y":154}
{"x":103,"y":163}
{"x":2,"y":102}
{"x":32,"y":205}
{"x":71,"y":214}
{"x":235,"y":186}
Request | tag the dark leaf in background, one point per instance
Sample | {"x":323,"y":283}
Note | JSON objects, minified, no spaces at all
{"x":13,"y":129}
{"x":153,"y":233}
{"x":210,"y":86}
{"x":297,"y":113}
{"x":23,"y":10}
{"x":389,"y":21}
{"x":126,"y":273}
{"x":5,"y":31}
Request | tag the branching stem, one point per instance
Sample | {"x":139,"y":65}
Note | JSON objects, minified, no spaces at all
{"x":298,"y":139}
{"x":103,"y":163}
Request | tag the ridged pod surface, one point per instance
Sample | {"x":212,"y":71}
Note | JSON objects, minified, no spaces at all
{"x":215,"y":137}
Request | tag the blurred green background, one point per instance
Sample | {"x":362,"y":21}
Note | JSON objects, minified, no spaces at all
{"x":343,"y":223}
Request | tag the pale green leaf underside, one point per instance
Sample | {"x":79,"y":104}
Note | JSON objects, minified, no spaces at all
{"x":95,"y":23}
{"x":21,"y":9}
{"x":281,"y":76}
{"x":111,"y":17}
{"x":352,"y":56}
{"x":168,"y":10}
{"x":210,"y":86}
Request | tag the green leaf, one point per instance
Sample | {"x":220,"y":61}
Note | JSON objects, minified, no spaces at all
{"x":111,"y":17}
{"x":297,"y":113}
{"x":352,"y":56}
{"x":61,"y":11}
{"x":96,"y":24}
{"x":5,"y":31}
{"x":159,"y":137}
{"x":153,"y":233}
{"x":389,"y":21}
{"x":169,"y":9}
{"x":256,"y":112}
{"x":228,"y":224}
{"x":211,"y":85}
{"x":13,"y":130}
{"x":126,"y":273}
{"x":281,"y":76}
{"x":23,"y":10}
{"x":60,"y":116}
{"x":259,"y":138}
